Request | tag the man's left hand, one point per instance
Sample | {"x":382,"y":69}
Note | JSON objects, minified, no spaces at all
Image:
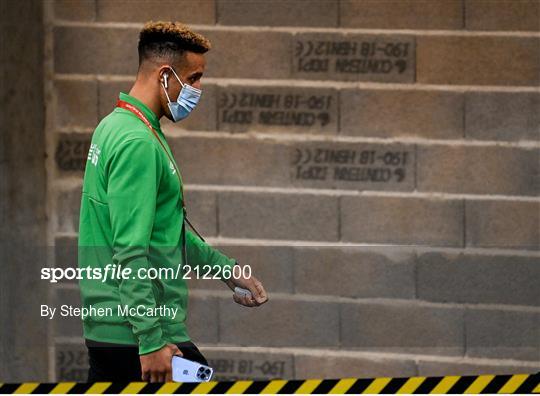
{"x":258,"y":294}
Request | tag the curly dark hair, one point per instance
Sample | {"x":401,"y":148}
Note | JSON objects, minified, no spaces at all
{"x":169,"y":40}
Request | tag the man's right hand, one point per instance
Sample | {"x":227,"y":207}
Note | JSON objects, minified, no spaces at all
{"x":157,"y":366}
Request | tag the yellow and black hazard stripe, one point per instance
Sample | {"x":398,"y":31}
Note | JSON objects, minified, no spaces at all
{"x":517,"y":383}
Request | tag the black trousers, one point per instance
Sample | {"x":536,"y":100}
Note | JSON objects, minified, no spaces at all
{"x":120,"y":363}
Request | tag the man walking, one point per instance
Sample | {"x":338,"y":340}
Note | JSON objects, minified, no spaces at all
{"x":133,"y":217}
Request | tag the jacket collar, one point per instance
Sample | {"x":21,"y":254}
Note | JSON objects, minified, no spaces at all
{"x":149,"y":114}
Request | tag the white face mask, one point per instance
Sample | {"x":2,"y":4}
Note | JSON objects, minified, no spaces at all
{"x":187,"y":99}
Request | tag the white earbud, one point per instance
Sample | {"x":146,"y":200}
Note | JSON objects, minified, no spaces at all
{"x":165,"y":77}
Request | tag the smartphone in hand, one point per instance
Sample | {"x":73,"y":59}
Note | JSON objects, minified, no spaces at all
{"x":184,"y":370}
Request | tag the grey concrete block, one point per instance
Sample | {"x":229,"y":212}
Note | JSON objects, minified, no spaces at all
{"x":71,"y":153}
{"x":354,"y":57}
{"x":78,"y":10}
{"x":502,"y":115}
{"x":477,"y":60}
{"x":503,"y":334}
{"x":277,"y":109}
{"x":358,"y":166}
{"x":278,"y":13}
{"x":190,"y":11}
{"x":478,"y":170}
{"x":68,"y":206}
{"x":380,"y":327}
{"x":24,"y":253}
{"x":504,"y":224}
{"x":25,"y":200}
{"x":108,"y":91}
{"x":398,"y":220}
{"x":95,"y":50}
{"x":234,"y":365}
{"x":279,"y":322}
{"x":263,"y":54}
{"x":396,"y":113}
{"x":202,"y":319}
{"x":76,"y":103}
{"x":325,"y":366}
{"x":70,"y":326}
{"x":66,"y":253}
{"x":354,"y":272}
{"x":478,"y":279}
{"x":195,"y":283}
{"x":402,"y":14}
{"x":502,"y":15}
{"x":272,"y":265}
{"x":71,"y":362}
{"x":202,"y":211}
{"x":434,"y":368}
{"x":278,"y":216}
{"x":22,"y":292}
{"x":231,"y":161}
{"x":353,"y":166}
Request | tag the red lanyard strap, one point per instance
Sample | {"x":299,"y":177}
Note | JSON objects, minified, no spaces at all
{"x":128,"y":106}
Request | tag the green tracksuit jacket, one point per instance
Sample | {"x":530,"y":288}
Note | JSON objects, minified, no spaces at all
{"x":131,"y":215}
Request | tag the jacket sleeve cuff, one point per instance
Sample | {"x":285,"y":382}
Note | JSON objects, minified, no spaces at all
{"x":151,"y":341}
{"x":227,"y":264}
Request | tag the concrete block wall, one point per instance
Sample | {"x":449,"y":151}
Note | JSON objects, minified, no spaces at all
{"x":375,"y":162}
{"x":23,"y":195}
